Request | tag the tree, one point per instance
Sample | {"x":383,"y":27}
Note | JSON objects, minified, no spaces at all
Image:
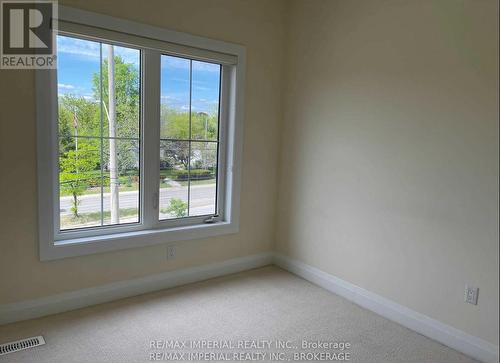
{"x":75,"y":175}
{"x":126,"y":77}
{"x":178,"y":153}
{"x":87,"y":112}
{"x":175,"y":125}
{"x":204,"y":125}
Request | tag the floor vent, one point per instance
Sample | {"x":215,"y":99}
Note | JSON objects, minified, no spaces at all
{"x":21,"y":345}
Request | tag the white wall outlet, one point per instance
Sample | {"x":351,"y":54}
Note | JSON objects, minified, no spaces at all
{"x":471,"y":294}
{"x":171,"y":252}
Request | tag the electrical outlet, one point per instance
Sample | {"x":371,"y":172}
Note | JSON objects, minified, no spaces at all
{"x":471,"y":294}
{"x":171,"y":252}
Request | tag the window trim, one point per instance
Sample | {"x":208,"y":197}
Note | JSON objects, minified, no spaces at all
{"x":233,"y":60}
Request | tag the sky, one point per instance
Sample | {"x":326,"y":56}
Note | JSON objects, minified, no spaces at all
{"x":78,"y":60}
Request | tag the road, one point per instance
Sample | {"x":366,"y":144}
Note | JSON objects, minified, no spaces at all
{"x":202,"y":200}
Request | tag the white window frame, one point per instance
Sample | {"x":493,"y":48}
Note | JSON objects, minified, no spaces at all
{"x":153,"y":41}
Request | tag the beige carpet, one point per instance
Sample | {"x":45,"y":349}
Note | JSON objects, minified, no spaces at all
{"x":267,"y":304}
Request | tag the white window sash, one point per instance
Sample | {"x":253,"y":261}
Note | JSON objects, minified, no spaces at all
{"x":150,"y":230}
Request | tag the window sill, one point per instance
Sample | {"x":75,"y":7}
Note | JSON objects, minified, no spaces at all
{"x":113,"y":242}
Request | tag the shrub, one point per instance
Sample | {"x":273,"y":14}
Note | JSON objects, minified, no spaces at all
{"x":196,"y":174}
{"x":177,"y":208}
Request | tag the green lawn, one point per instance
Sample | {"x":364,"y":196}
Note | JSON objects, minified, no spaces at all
{"x":97,"y":190}
{"x":95,"y":216}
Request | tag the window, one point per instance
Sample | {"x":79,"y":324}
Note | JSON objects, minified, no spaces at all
{"x":189,"y":137}
{"x":139,"y":136}
{"x":98,"y":135}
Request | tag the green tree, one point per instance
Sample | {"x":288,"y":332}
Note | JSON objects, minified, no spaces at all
{"x":76,"y":172}
{"x":175,"y":125}
{"x":126,"y":94}
{"x":87,"y":112}
{"x":204,"y":125}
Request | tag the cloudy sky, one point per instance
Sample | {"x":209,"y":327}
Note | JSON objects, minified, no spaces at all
{"x":79,"y":59}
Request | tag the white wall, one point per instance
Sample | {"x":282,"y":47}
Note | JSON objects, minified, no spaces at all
{"x":389,"y":167}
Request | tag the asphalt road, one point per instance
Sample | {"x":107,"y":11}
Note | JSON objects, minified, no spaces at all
{"x":202,"y":200}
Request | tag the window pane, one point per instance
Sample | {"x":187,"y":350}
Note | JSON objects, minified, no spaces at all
{"x":205,"y":100}
{"x":175,"y":98}
{"x":189,"y":111}
{"x":174,"y":159}
{"x":127,"y":178}
{"x":78,"y":86}
{"x":98,"y":134}
{"x":79,"y":183}
{"x":203,"y":178}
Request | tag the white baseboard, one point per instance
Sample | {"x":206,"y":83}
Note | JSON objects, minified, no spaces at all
{"x":97,"y":295}
{"x":445,"y":334}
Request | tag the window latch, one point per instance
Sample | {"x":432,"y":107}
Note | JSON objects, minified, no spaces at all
{"x":155,"y":200}
{"x":211,"y":219}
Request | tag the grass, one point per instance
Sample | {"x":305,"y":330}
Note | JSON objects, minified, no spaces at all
{"x":97,"y":190}
{"x":84,"y":218}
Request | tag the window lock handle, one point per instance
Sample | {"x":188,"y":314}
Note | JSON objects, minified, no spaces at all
{"x":211,"y":219}
{"x":155,"y":200}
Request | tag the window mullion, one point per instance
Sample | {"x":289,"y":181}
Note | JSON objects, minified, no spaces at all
{"x":101,"y":152}
{"x":190,"y":134}
{"x":223,"y":167}
{"x":150,"y":136}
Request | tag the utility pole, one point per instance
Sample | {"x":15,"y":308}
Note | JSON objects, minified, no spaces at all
{"x":206,"y":126}
{"x":113,"y":165}
{"x":75,"y":126}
